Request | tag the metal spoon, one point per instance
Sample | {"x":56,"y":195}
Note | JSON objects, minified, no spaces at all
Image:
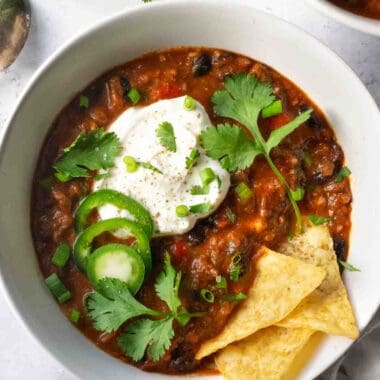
{"x":14,"y":28}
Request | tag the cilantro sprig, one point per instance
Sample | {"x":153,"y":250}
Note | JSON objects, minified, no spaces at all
{"x":165,"y":134}
{"x":243,"y":99}
{"x":112,"y":305}
{"x":94,"y":150}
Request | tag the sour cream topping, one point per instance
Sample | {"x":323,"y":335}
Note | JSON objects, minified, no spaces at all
{"x":162,"y":193}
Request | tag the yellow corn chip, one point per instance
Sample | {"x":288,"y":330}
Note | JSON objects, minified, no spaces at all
{"x":265,"y":355}
{"x":327,"y":309}
{"x":281,"y":283}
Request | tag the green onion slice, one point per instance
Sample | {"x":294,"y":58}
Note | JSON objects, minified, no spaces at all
{"x":134,"y":95}
{"x":318,"y":219}
{"x":298,"y":194}
{"x":189,"y":103}
{"x":130,"y":164}
{"x":57,"y":288}
{"x":221,"y":282}
{"x":182,"y":211}
{"x":207,"y":295}
{"x":61,"y":255}
{"x":74,"y":316}
{"x":84,"y":102}
{"x":273,"y":109}
{"x":200,"y":208}
{"x":207,"y":176}
{"x":344,"y":172}
{"x":234,"y":297}
{"x":243,"y":191}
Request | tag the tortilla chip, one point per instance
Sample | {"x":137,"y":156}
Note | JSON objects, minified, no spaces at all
{"x":327,"y":309}
{"x":266,"y":355}
{"x":281,"y":283}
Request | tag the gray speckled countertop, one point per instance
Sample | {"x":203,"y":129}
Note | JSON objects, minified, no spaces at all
{"x":54,"y":22}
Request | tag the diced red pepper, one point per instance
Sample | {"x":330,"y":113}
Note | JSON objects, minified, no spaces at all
{"x":180,"y":249}
{"x":169,"y":90}
{"x":277,"y":121}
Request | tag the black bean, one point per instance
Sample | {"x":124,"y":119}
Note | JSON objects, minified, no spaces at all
{"x":197,"y":235}
{"x":126,"y":86}
{"x":201,"y":65}
{"x":314,"y":122}
{"x":183,"y":359}
{"x":340,"y":248}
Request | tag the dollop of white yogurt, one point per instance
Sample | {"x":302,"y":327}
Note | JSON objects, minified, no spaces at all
{"x":162,"y":193}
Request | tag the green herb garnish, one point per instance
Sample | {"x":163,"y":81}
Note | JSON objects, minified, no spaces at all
{"x":348,"y":266}
{"x":234,"y":297}
{"x":344,"y":172}
{"x":318,"y":219}
{"x":221,"y":282}
{"x":243,"y":191}
{"x":84,"y":102}
{"x":165,"y":134}
{"x":182,"y":211}
{"x":207,"y":295}
{"x":242,"y":100}
{"x":154,"y":336}
{"x":200,"y":190}
{"x":298,"y":194}
{"x":189,"y":103}
{"x":273,"y":109}
{"x":191,"y":158}
{"x":200,"y":208}
{"x":74,"y":316}
{"x":231,"y":216}
{"x":61,"y":255}
{"x":235,"y":268}
{"x":94,"y":150}
{"x":134,"y":96}
{"x":149,"y":166}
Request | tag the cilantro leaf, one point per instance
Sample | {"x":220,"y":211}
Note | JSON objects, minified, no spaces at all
{"x":229,"y":144}
{"x":91,"y":151}
{"x":242,"y":99}
{"x":165,"y":134}
{"x":113,"y":304}
{"x":167,"y":285}
{"x":191,"y":158}
{"x":279,"y":134}
{"x":153,"y":336}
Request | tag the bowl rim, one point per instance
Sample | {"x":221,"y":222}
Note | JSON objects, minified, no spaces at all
{"x":349,"y":19}
{"x":129,"y":12}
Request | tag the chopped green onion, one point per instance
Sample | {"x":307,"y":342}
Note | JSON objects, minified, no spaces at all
{"x":298,"y":194}
{"x":189,"y":103}
{"x":348,"y":266}
{"x":243,"y":191}
{"x":234,"y":297}
{"x":182,"y":211}
{"x":231,"y":216}
{"x":221,"y":282}
{"x":62,"y":177}
{"x":191,"y":158}
{"x":149,"y":166}
{"x":306,"y":157}
{"x":273,"y":109}
{"x":200,"y":208}
{"x":134,"y":95}
{"x":84,"y":102}
{"x":207,"y":295}
{"x":200,"y":190}
{"x":57,"y":288}
{"x":184,"y":317}
{"x":344,"y":172}
{"x":130,"y":164}
{"x":74,"y":316}
{"x":61,"y":255}
{"x":235,"y":268}
{"x":207,"y":176}
{"x":317,"y":219}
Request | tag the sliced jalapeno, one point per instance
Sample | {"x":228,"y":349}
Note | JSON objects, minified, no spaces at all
{"x":116,"y":261}
{"x":106,"y":196}
{"x":83,"y":244}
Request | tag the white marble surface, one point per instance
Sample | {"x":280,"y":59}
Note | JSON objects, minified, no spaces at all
{"x":54,"y":22}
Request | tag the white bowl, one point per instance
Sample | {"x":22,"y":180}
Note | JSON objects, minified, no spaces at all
{"x":364,"y":24}
{"x":218,"y":23}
